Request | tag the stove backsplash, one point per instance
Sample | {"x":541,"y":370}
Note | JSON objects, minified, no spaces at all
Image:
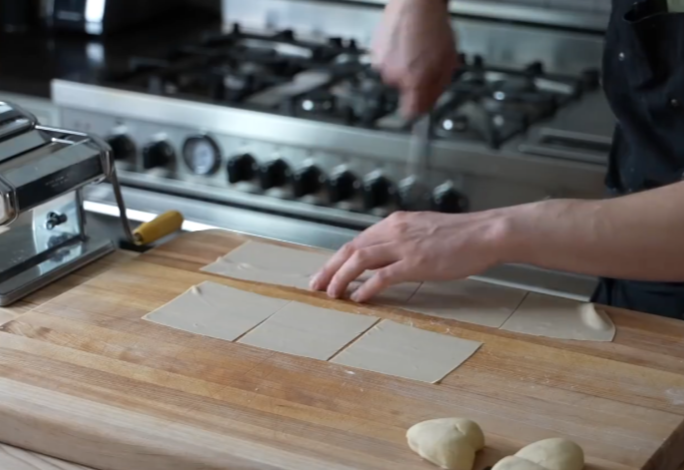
{"x":501,"y":44}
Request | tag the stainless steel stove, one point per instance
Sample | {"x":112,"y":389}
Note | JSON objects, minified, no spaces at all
{"x":282,"y":114}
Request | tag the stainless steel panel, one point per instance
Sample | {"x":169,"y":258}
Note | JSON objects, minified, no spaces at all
{"x":490,"y":178}
{"x":358,"y":18}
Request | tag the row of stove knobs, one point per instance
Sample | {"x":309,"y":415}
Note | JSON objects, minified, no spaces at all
{"x":376,"y":189}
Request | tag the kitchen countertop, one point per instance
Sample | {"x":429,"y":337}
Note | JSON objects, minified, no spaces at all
{"x":30,"y":60}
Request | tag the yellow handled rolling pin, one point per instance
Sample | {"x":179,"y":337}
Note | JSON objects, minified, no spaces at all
{"x":161,"y":226}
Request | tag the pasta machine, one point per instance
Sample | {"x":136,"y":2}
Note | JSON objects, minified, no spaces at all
{"x":43,"y":225}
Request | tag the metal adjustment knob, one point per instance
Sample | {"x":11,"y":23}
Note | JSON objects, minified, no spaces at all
{"x":446,"y":198}
{"x":122,"y":146}
{"x":341,"y":186}
{"x":306,"y":181}
{"x":157,"y":154}
{"x":241,"y":168}
{"x":377,"y":191}
{"x":273,"y":174}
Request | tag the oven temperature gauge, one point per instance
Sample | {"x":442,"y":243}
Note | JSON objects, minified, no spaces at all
{"x":202,"y":155}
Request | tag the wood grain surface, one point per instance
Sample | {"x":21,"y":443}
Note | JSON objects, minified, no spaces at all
{"x":74,"y":279}
{"x":83,"y":378}
{"x":12,"y":458}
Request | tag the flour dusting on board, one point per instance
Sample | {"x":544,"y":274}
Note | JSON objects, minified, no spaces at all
{"x":675,"y":395}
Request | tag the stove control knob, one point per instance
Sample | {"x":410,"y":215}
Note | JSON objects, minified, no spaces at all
{"x":273,"y":174}
{"x":412,"y":195}
{"x":377,"y":191}
{"x":157,"y":154}
{"x":341,"y":186}
{"x":306,"y":180}
{"x":123,"y":147}
{"x":241,"y":168}
{"x":446,"y":198}
{"x":591,"y":79}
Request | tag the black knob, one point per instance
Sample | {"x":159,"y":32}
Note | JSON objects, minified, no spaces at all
{"x":286,"y":34}
{"x":377,"y":191}
{"x":413,"y":196}
{"x":462,"y":59}
{"x":447,"y":199}
{"x":273,"y":174}
{"x":591,"y":79}
{"x":478,"y":61}
{"x":535,"y":68}
{"x":122,"y":146}
{"x":157,"y":154}
{"x":341,"y":186}
{"x":241,"y":168}
{"x":306,"y":181}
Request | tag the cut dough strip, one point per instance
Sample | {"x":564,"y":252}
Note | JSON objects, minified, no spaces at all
{"x":308,"y":331}
{"x":217,"y":311}
{"x":395,"y":349}
{"x":223,"y":312}
{"x":554,"y":317}
{"x":466,"y":300}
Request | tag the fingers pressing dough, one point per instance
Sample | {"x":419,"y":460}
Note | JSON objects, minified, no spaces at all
{"x":450,"y":443}
{"x":549,"y":454}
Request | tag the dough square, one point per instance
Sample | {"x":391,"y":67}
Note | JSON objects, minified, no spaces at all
{"x":217,"y":311}
{"x":395,"y":349}
{"x":556,"y":317}
{"x":309,"y":331}
{"x":467,"y":300}
{"x":270,"y":264}
{"x":396,"y":295}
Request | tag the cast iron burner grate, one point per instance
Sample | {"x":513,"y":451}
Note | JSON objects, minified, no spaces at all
{"x":332,"y":80}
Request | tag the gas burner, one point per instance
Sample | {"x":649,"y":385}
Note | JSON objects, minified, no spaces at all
{"x":512,"y":87}
{"x":318,"y":102}
{"x":356,"y":99}
{"x":494,"y":104}
{"x":473,"y":121}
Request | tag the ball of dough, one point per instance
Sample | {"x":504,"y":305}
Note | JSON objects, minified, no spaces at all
{"x":549,"y":454}
{"x":450,"y":443}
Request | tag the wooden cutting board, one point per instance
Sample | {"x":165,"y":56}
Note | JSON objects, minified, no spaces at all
{"x":83,"y":378}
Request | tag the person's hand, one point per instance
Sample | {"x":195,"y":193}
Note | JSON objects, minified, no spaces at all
{"x":417,"y":246}
{"x":414,"y":49}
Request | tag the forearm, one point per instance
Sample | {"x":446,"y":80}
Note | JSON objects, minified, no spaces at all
{"x":639,"y":237}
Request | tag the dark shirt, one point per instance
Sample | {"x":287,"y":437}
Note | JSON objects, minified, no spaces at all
{"x":643,"y":70}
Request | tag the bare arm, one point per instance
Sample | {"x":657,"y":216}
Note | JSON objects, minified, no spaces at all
{"x":639,"y":236}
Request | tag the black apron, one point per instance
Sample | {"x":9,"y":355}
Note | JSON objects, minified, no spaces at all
{"x":643,"y":69}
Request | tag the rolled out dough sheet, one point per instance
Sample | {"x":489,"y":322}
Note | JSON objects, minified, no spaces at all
{"x":290,"y":267}
{"x":215,"y":310}
{"x":396,"y":295}
{"x":248,"y":273}
{"x":271,"y":264}
{"x":467,"y":301}
{"x":555,"y":317}
{"x":307,"y":330}
{"x":395,"y":349}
